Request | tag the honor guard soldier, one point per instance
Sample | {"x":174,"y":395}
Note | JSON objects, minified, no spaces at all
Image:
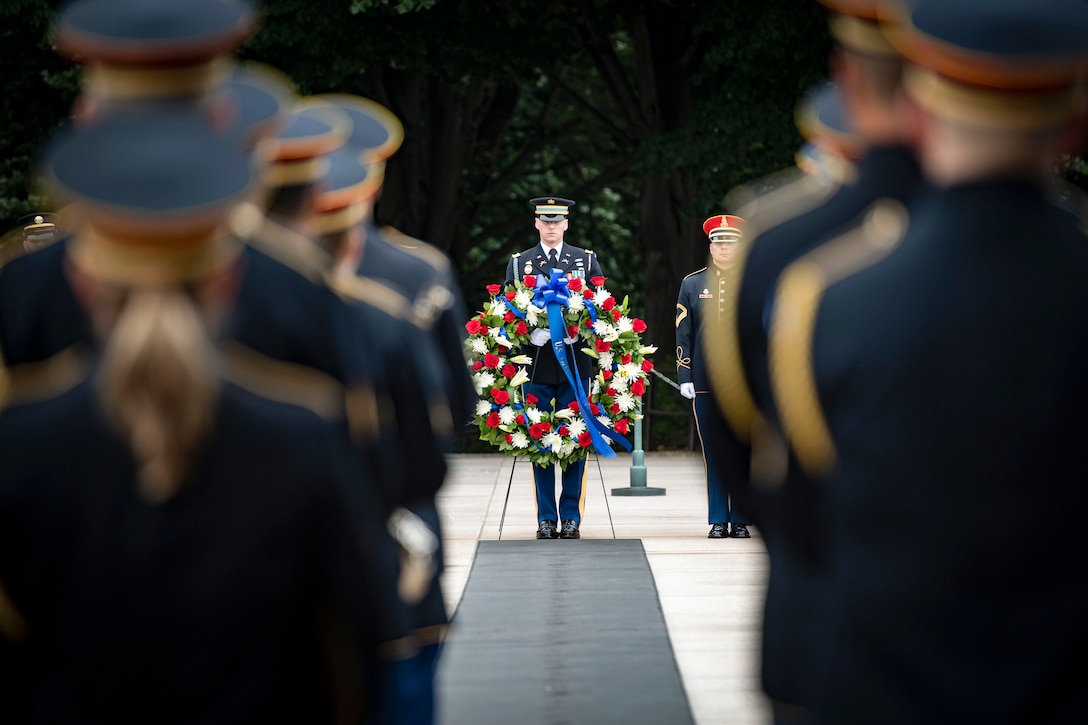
{"x":858,"y":119}
{"x":547,"y":380}
{"x":182,"y":533}
{"x":927,"y":364}
{"x":702,"y":295}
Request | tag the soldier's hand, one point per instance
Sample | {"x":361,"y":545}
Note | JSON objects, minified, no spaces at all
{"x":540,"y":336}
{"x":688,"y":390}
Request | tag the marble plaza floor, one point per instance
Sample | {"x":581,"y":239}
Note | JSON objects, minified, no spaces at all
{"x":711,"y":591}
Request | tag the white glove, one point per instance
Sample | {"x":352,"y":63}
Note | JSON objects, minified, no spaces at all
{"x":540,"y":337}
{"x":688,"y":390}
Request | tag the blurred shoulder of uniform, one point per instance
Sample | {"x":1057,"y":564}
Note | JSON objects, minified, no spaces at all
{"x":373,"y":293}
{"x":695,"y":273}
{"x":283,"y":382}
{"x":1072,"y":199}
{"x":283,"y":245}
{"x":417,"y":248}
{"x":780,"y":197}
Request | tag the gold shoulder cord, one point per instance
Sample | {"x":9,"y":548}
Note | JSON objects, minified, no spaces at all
{"x":793,"y":327}
{"x":287,"y":247}
{"x":372,"y":292}
{"x":38,"y":381}
{"x":283,"y":382}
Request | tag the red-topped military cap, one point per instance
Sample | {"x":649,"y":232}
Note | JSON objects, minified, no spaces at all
{"x":724,"y":228}
{"x":347,"y":187}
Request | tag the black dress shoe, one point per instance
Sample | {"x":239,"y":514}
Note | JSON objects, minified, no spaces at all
{"x":740,"y":531}
{"x":546,"y":530}
{"x":718,"y":531}
{"x":570,"y":530}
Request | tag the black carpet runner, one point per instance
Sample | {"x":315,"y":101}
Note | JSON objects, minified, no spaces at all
{"x":560,"y":632}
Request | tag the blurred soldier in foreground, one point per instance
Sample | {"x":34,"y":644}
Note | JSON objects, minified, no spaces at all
{"x":182,"y":530}
{"x":928,"y":367}
{"x":700,"y":296}
{"x":859,"y":126}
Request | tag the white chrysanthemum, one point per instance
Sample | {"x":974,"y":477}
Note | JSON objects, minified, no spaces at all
{"x":552,"y":441}
{"x":484,"y":380}
{"x":605,"y":421}
{"x":532,"y":314}
{"x":594,"y":387}
{"x":506,"y":415}
{"x":523,"y":299}
{"x":605,"y":360}
{"x":576,"y":303}
{"x":483,"y":407}
{"x":605,"y":331}
{"x":626,"y":401}
{"x":600,"y":296}
{"x":479,"y":345}
{"x":567,"y":448}
{"x":618,"y":384}
{"x":624,"y":324}
{"x":497,"y":307}
{"x":632,"y":371}
{"x":519,"y":440}
{"x":576,"y":427}
{"x":533,"y":414}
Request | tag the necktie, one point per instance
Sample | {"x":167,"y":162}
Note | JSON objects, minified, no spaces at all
{"x":553,"y":260}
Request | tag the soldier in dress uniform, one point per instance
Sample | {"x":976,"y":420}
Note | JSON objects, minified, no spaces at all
{"x":182,"y":533}
{"x":547,"y":380}
{"x":701,"y":295}
{"x":928,"y":365}
{"x":858,"y":121}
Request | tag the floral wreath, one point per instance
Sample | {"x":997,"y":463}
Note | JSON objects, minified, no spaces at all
{"x":574,"y":312}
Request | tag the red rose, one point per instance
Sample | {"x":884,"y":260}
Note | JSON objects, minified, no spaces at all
{"x":626,"y":359}
{"x":545,"y":426}
{"x":589,"y":323}
{"x":509,"y":438}
{"x":606,"y":375}
{"x":608,"y":303}
{"x":491,"y":361}
{"x":573,"y":405}
{"x":614,"y":409}
{"x":535,"y":431}
{"x":520,"y":420}
{"x":508,"y":317}
{"x":493,"y":289}
{"x":509,"y":371}
{"x":473,"y":326}
{"x":621,"y":426}
{"x":595,"y":409}
{"x":493,"y":420}
{"x":574,"y":285}
{"x":477,"y":365}
{"x":521,"y":328}
{"x":616,"y":314}
{"x":572,"y":331}
{"x":531,"y":399}
{"x":609,"y":391}
{"x":529,"y":281}
{"x":510,"y":295}
{"x":638,"y":388}
{"x":500,"y":396}
{"x":588,"y":294}
{"x":603,"y":346}
{"x":638,"y":325}
{"x":647,"y":366}
{"x":564,"y":430}
{"x":585,"y":440}
{"x":598,"y":281}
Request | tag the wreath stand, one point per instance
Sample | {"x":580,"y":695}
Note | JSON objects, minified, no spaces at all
{"x":510,"y":484}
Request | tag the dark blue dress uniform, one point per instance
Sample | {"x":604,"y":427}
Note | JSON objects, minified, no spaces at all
{"x":219,"y":605}
{"x":702,"y":296}
{"x":546,"y":379}
{"x":786,"y":223}
{"x":942,"y":403}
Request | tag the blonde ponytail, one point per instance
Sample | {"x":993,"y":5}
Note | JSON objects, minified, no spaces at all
{"x":158,"y":385}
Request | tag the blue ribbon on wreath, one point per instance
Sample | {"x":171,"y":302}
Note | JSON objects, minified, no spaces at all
{"x":554,"y":298}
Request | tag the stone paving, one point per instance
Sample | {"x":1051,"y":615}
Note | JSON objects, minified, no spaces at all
{"x":711,"y":590}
